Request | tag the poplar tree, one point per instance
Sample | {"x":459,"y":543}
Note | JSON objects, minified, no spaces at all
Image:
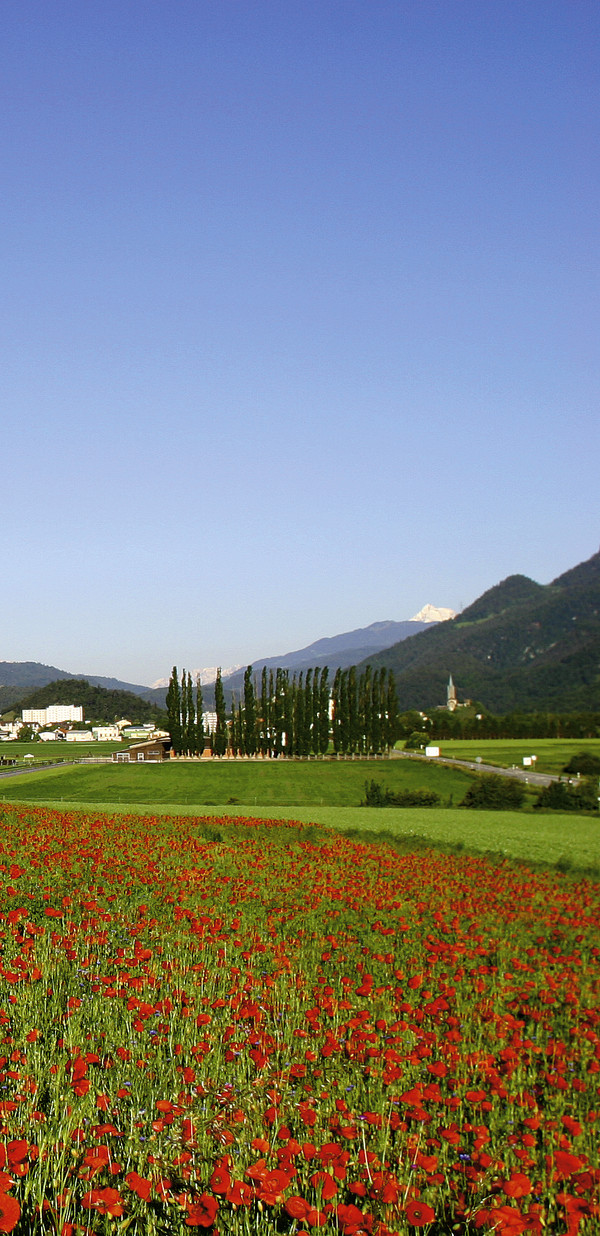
{"x":376,"y":718}
{"x":199,"y":721}
{"x":279,"y":711}
{"x":344,"y":713}
{"x":392,"y":718}
{"x":299,"y":700}
{"x":308,"y":715}
{"x":174,"y":711}
{"x":316,"y":710}
{"x":183,"y":707}
{"x":220,"y":738}
{"x":353,"y":735}
{"x":264,"y":738}
{"x":323,"y":714}
{"x":335,"y":718}
{"x":235,"y":733}
{"x":249,"y":713}
{"x":191,"y":745}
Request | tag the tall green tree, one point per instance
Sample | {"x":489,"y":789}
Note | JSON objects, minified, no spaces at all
{"x":323,"y":722}
{"x":249,"y":713}
{"x":191,"y":744}
{"x":183,"y":708}
{"x":308,"y":714}
{"x":353,"y":726}
{"x":376,"y":710}
{"x":299,"y":701}
{"x":199,"y":720}
{"x":264,"y":740}
{"x":220,"y":737}
{"x":336,"y":710}
{"x":279,"y":711}
{"x":174,"y":711}
{"x":392,"y":719}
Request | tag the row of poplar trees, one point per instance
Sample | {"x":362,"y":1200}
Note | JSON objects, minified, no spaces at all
{"x":292,"y":716}
{"x":185,"y":708}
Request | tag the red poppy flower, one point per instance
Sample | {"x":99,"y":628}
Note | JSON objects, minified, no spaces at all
{"x":297,"y":1207}
{"x":508,"y":1222}
{"x":519,"y":1185}
{"x":419,"y":1214}
{"x":220,"y":1181}
{"x":203,"y":1212}
{"x":10,"y":1212}
{"x":104,"y":1201}
{"x":138,"y":1184}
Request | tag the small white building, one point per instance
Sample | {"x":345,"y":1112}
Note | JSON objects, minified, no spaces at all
{"x":79,"y":736}
{"x":106,"y":733}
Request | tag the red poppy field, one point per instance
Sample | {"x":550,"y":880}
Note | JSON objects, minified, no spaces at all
{"x":269,"y":1029}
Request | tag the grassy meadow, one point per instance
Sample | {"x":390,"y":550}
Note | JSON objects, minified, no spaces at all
{"x":57,"y":752}
{"x":272,"y":783}
{"x":552,"y":753}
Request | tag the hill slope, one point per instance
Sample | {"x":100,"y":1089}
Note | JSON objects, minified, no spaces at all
{"x":521,"y":645}
{"x":19,"y":679}
{"x":99,"y":704}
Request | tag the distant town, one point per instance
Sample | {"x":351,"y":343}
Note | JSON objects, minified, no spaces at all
{"x":66,"y":723}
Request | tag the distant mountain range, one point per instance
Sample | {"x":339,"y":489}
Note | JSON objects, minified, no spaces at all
{"x":19,"y":679}
{"x":340,"y":651}
{"x":521,"y":646}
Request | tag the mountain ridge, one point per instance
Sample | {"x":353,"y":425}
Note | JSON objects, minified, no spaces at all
{"x":19,"y":679}
{"x":520,"y":646}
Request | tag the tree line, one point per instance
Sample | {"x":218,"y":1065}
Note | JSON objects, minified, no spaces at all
{"x":287,"y":715}
{"x":477,"y":723}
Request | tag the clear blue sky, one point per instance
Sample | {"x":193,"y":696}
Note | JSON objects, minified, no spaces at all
{"x":300,"y":319}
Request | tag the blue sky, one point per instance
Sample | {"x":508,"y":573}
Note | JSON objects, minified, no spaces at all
{"x":299,"y":317}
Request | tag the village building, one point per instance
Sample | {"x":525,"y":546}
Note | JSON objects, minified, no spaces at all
{"x":154,"y":751}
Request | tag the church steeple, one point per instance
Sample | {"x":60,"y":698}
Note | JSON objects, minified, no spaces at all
{"x":451,"y":700}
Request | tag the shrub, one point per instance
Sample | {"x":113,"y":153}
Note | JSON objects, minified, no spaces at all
{"x":492,"y":792}
{"x":561,"y":797}
{"x":585,"y":762}
{"x":376,"y":795}
{"x":416,"y":741}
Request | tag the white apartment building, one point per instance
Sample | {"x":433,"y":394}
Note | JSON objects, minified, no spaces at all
{"x":49,"y":716}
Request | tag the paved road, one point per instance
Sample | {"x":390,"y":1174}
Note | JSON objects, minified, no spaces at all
{"x":518,"y":774}
{"x":17,"y":772}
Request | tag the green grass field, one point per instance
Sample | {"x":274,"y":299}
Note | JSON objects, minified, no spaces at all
{"x":552,"y":753}
{"x":56,"y":752}
{"x":274,"y":783}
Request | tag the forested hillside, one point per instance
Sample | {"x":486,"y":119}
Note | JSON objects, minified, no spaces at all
{"x":521,"y":645}
{"x":98,"y":703}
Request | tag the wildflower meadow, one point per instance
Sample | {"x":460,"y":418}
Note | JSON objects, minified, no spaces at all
{"x":243,"y":1026}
